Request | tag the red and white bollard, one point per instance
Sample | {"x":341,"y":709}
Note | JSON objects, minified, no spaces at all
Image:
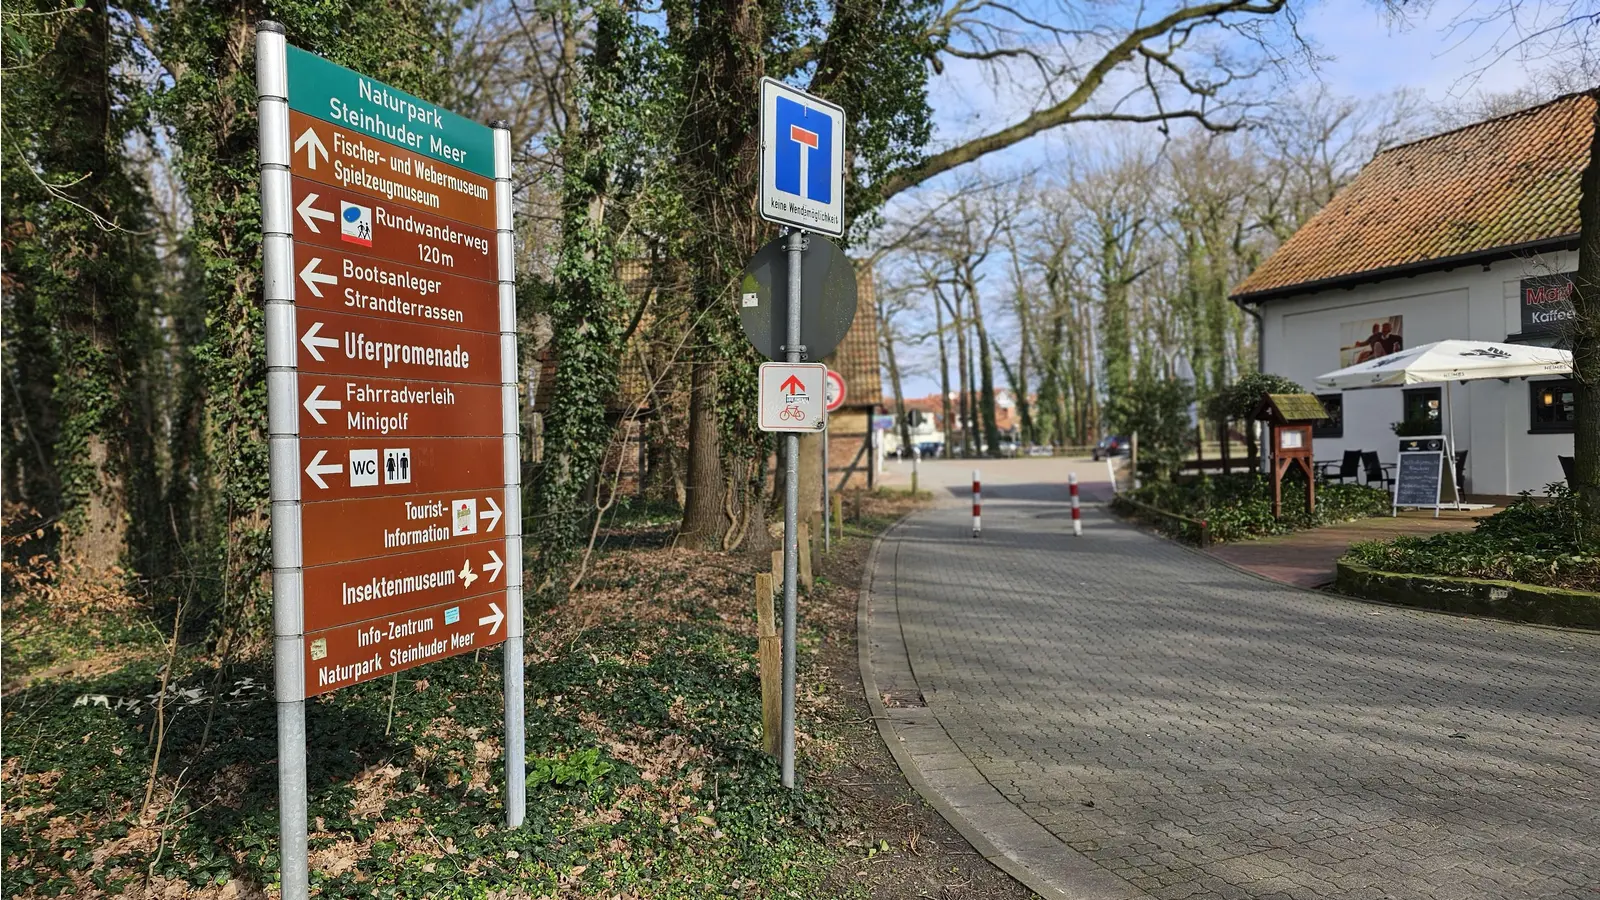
{"x":1077,"y":516}
{"x":977,"y":503}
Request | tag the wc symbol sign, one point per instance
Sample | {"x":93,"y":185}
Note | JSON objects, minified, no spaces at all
{"x":397,"y":466}
{"x":367,"y":471}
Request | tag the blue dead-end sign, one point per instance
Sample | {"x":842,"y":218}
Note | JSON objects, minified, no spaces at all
{"x":802,"y":159}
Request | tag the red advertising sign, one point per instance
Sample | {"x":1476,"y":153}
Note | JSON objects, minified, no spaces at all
{"x":361,"y":651}
{"x":382,"y":526}
{"x":343,"y":406}
{"x":341,"y":281}
{"x":341,"y":157}
{"x":340,"y":220}
{"x":338,"y":343}
{"x":337,"y":468}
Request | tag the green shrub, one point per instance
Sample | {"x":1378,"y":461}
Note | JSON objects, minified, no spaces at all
{"x":1239,"y":506}
{"x":1534,"y":542}
{"x":1157,"y":410}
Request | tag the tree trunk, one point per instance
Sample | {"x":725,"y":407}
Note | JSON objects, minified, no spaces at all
{"x":718,"y":159}
{"x":963,"y":375}
{"x":1586,"y":336}
{"x":944,"y":382}
{"x":704,"y":521}
{"x":985,"y":404}
{"x":893,"y":363}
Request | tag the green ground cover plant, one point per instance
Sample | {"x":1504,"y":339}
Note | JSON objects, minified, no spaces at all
{"x":1239,"y":506}
{"x":646,"y":777}
{"x":1534,"y":541}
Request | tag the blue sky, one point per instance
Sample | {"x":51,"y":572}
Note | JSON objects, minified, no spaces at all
{"x":1367,"y":55}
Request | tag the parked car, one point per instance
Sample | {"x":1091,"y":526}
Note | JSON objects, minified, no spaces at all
{"x":1110,"y":445}
{"x":1040,"y":450}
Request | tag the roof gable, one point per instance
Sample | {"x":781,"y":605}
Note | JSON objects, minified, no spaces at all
{"x":1501,"y":183}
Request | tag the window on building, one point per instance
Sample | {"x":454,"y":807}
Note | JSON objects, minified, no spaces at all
{"x":1552,"y":406}
{"x":1333,"y":425}
{"x":1424,"y":413}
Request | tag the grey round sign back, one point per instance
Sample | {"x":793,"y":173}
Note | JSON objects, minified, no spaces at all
{"x":827,"y":298}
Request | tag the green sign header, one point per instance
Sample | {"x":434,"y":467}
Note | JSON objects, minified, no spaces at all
{"x":331,"y":92}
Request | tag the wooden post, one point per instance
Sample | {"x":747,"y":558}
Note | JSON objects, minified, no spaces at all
{"x":838,"y":515}
{"x":805,"y":556}
{"x":771,"y":661}
{"x":777,"y":567}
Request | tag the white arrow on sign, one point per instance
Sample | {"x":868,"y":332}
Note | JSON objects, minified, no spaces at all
{"x":496,"y":617}
{"x":313,"y":342}
{"x":318,"y":468}
{"x":493,"y":514}
{"x":495,"y":566}
{"x":312,"y":277}
{"x":315,"y":405}
{"x":310,"y":214}
{"x":313,"y":146}
{"x":467,"y":575}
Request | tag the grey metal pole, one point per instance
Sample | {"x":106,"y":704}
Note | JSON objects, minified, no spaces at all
{"x":283,"y":455}
{"x":511,"y":420}
{"x":791,"y":503}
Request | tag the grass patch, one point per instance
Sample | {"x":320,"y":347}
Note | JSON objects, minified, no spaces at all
{"x":1538,"y":542}
{"x":1239,"y":506}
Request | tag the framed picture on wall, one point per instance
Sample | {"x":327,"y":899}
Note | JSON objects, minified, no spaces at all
{"x":1368,"y":339}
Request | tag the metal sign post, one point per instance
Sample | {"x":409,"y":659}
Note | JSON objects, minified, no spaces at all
{"x":511,"y":429}
{"x":801,"y":186}
{"x":283,"y":442}
{"x":390,"y":311}
{"x":791,"y":502}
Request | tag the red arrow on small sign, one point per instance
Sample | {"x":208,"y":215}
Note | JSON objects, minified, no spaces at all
{"x":792,"y":386}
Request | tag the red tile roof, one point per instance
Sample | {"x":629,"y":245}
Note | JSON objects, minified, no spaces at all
{"x":1501,"y":183}
{"x":857,"y":355}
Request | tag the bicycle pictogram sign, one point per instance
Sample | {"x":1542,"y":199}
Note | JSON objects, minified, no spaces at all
{"x":791,"y":397}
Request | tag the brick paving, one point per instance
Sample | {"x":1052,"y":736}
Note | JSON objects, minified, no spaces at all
{"x":1181,"y":729}
{"x":1306,"y":558}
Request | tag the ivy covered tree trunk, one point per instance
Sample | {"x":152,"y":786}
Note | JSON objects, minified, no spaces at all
{"x":725,"y":40}
{"x":78,"y":274}
{"x":585,"y":309}
{"x":207,"y":51}
{"x":1586,"y":336}
{"x":986,"y":410}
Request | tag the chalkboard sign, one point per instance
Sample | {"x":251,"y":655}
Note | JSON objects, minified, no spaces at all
{"x":1417,"y":479}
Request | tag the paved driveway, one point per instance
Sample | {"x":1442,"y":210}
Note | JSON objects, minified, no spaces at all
{"x":1124,"y":717}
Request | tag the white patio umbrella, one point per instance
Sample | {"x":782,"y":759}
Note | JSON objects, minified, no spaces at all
{"x":1449,"y":361}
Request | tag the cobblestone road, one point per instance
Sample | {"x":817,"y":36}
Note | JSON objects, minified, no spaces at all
{"x":1198,"y":732}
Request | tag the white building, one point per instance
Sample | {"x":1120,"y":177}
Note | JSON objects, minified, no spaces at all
{"x":1471,"y":234}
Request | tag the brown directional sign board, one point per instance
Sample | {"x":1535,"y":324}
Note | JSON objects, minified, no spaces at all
{"x":385,"y":526}
{"x":399,"y":378}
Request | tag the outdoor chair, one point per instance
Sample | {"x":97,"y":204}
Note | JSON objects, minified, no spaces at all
{"x":1375,"y":470}
{"x":1349,"y":467}
{"x":1567,"y":467}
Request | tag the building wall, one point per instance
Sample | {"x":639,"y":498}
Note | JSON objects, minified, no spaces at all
{"x":848,"y":432}
{"x":1301,"y":337}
